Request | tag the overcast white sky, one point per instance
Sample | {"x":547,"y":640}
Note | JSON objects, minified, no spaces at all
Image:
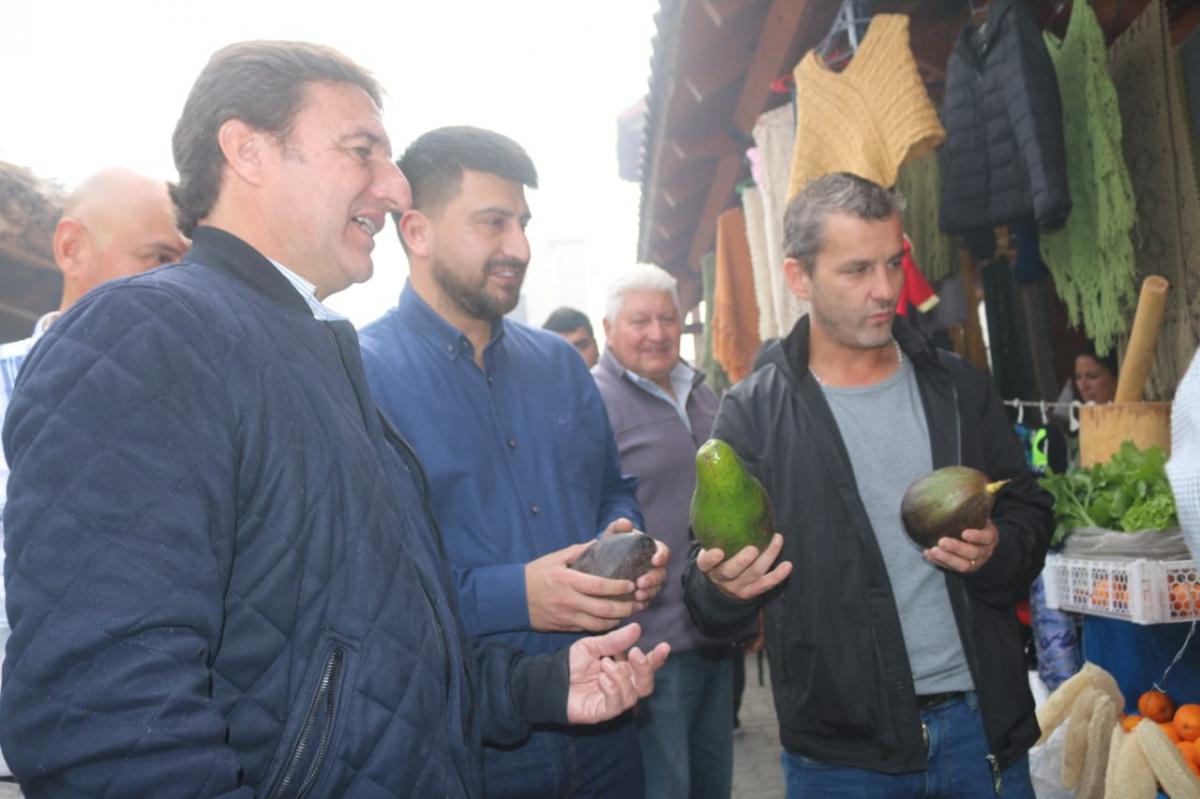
{"x":89,"y":84}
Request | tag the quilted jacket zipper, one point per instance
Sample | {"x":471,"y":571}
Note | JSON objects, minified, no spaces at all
{"x":393,"y":436}
{"x":318,"y":724}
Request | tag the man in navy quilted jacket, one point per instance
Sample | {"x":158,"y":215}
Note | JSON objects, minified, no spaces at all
{"x":223,"y":575}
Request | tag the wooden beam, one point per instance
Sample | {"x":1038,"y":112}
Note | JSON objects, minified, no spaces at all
{"x":696,"y":148}
{"x":690,"y":180}
{"x":721,"y":11}
{"x":679,"y":220}
{"x":675,"y":249}
{"x":710,"y":75}
{"x":774,"y":45}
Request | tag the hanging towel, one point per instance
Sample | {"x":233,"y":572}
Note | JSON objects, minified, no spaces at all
{"x":1158,"y":154}
{"x":756,"y":237}
{"x":1091,"y":256}
{"x":920,"y":182}
{"x":774,"y":135}
{"x":735,"y":311}
{"x":868,"y":119}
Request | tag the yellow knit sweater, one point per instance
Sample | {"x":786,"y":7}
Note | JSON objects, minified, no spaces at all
{"x":868,"y":119}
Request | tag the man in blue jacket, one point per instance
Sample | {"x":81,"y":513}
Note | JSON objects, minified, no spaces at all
{"x":224,"y":577}
{"x":523,"y":468}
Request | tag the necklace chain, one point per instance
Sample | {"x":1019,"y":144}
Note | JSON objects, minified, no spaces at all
{"x":899,"y":362}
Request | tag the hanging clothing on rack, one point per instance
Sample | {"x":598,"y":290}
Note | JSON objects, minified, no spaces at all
{"x":774,"y":133}
{"x":756,"y":238}
{"x":735,"y":311}
{"x":916,"y":291}
{"x":1003,"y":324}
{"x":714,"y":375}
{"x":868,"y":119}
{"x":1091,"y":256}
{"x":1004,"y":156}
{"x":1158,"y":153}
{"x":920,"y":183}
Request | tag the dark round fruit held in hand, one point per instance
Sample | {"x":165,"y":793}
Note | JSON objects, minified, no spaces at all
{"x":620,"y":556}
{"x":945,"y":502}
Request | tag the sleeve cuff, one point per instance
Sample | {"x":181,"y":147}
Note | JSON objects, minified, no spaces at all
{"x":539,"y":687}
{"x":500,"y":601}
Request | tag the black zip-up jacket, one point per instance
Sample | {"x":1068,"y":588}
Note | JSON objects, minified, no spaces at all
{"x":842,"y":684}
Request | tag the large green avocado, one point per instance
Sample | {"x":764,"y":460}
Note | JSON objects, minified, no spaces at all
{"x":945,"y":502}
{"x":729,"y":510}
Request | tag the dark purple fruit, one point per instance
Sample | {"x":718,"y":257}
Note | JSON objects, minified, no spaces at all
{"x":944,"y":503}
{"x":620,"y":556}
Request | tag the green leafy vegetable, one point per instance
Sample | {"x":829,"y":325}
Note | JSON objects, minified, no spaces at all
{"x":1130,"y":494}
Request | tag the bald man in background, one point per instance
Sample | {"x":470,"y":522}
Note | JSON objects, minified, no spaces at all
{"x":116,"y":223}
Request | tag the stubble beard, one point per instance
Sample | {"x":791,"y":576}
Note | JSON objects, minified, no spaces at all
{"x":471,"y":297}
{"x":849,"y":335}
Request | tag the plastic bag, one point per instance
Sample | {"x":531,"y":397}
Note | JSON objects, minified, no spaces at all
{"x":1095,"y":542}
{"x":1045,"y":767}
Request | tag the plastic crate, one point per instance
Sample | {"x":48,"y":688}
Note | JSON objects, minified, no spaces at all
{"x":1141,"y":591}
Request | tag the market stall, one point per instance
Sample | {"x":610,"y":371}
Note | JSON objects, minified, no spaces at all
{"x":1046,"y":150}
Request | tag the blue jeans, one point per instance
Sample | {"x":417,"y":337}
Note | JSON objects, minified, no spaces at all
{"x":686,"y":727}
{"x":604,"y":760}
{"x":958,"y":766}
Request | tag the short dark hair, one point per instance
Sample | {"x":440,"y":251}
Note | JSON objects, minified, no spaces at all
{"x":838,"y":192}
{"x":564,"y":320}
{"x":262,"y":83}
{"x":435,"y":161}
{"x":1108,"y":360}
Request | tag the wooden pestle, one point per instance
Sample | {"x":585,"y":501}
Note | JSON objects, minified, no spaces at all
{"x":1142,"y":339}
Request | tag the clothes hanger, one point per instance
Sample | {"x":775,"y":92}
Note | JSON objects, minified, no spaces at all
{"x":978,"y":8}
{"x":847,"y":21}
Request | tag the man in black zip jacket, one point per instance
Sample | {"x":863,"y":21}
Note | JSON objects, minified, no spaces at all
{"x":896,"y":672}
{"x":224,"y":578}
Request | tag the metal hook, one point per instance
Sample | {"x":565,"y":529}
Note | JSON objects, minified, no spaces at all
{"x":1045,"y":418}
{"x":1073,"y":414}
{"x":1020,"y":412}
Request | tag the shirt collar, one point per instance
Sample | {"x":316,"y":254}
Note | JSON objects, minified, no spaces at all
{"x":682,"y":377}
{"x":43,"y":324}
{"x":447,"y":338}
{"x":308,"y":291}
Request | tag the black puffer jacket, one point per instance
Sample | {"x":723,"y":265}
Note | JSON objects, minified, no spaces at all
{"x":839,"y":668}
{"x":1004,"y":156}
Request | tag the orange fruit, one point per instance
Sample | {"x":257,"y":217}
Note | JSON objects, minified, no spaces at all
{"x":1130,"y":721}
{"x":1169,"y":730}
{"x":1101,"y":593}
{"x":1188,"y":761}
{"x":1156,"y":705}
{"x":1181,"y":599}
{"x":1187,"y":749}
{"x":1187,"y":722}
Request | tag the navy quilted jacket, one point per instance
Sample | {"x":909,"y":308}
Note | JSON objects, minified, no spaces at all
{"x":1004,"y":158}
{"x":222,"y":577}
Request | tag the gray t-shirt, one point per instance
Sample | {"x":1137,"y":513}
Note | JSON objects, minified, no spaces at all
{"x":887,"y":436}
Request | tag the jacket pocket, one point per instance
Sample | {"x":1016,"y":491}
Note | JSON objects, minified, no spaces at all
{"x":311,"y":741}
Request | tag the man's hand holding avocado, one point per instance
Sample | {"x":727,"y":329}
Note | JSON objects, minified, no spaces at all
{"x":968,"y":555}
{"x":747,"y":574}
{"x":562,"y":599}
